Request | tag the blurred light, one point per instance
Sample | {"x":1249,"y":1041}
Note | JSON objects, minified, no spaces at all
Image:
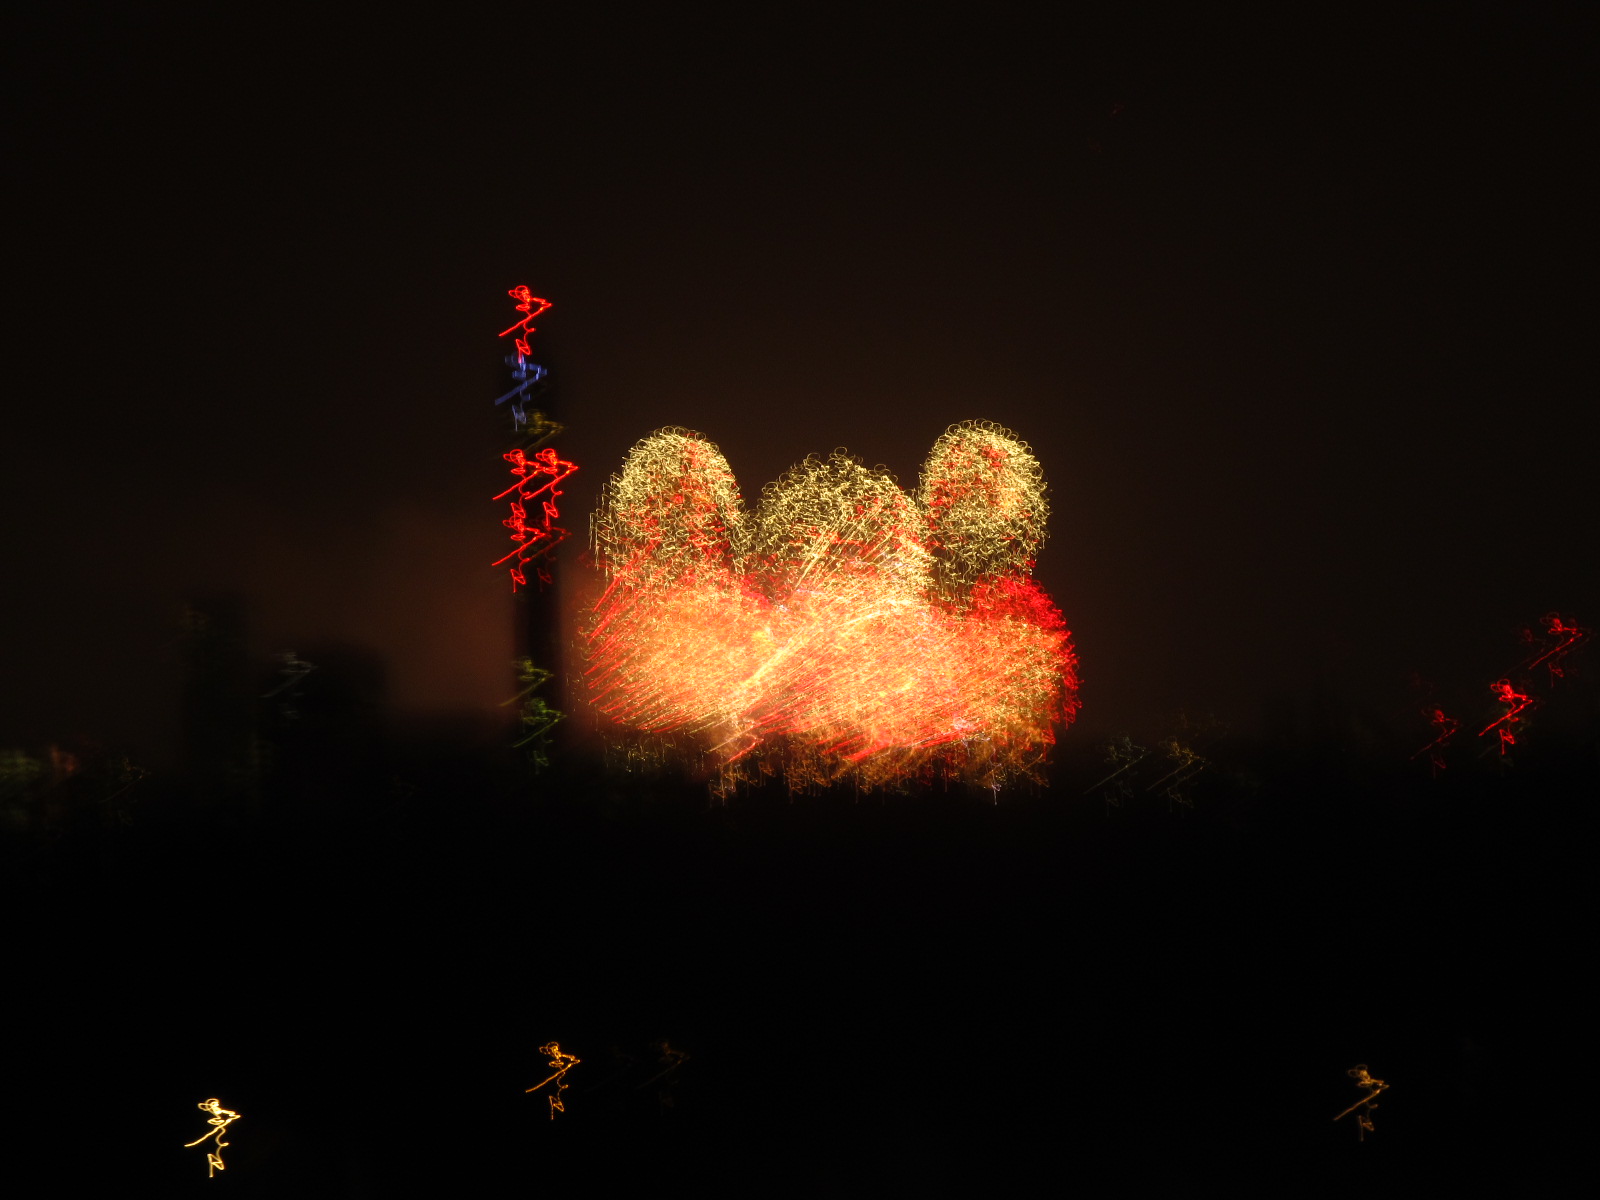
{"x":1371,"y":1089}
{"x":221,"y":1118}
{"x":841,"y":631}
{"x":563,"y":1063}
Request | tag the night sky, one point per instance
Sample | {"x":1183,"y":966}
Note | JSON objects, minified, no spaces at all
{"x":1290,"y":311}
{"x":1294,"y":309}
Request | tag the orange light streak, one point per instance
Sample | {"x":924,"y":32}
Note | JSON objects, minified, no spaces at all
{"x":1569,"y":635}
{"x":1372,"y":1088}
{"x":563,"y":1063}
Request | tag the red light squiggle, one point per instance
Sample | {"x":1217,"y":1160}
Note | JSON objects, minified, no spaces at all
{"x":1564,"y":637}
{"x":841,"y":631}
{"x":1445,"y":728}
{"x":534,"y":539}
{"x":1371,"y":1089}
{"x":1510,"y":720}
{"x":525,"y":304}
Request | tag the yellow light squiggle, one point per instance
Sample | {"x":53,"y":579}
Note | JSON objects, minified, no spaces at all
{"x":220,"y":1119}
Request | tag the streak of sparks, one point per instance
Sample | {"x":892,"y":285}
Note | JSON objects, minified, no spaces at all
{"x":1564,"y":637}
{"x":841,"y":629}
{"x":1189,"y":765}
{"x":1445,"y":727}
{"x":1371,"y":1089}
{"x":220,"y":1119}
{"x":562,"y":1063}
{"x":1509,"y":721}
{"x":525,"y":304}
{"x":534,"y":538}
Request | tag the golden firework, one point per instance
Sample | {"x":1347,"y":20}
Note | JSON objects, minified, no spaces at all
{"x":855,"y":632}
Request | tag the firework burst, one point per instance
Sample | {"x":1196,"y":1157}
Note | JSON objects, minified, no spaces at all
{"x":841,"y":631}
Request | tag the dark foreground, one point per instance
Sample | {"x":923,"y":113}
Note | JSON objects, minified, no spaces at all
{"x":910,"y":994}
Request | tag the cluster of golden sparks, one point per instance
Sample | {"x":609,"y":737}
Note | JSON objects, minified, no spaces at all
{"x":842,"y":630}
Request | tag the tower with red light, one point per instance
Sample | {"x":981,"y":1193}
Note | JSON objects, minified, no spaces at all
{"x":532,"y":517}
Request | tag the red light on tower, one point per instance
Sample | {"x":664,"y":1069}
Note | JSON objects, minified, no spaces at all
{"x":535,"y":538}
{"x":531,"y":307}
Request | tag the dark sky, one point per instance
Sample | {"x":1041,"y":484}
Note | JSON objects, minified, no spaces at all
{"x":1296,"y":315}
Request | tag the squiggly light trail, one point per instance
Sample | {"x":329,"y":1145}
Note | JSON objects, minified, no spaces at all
{"x":220,"y":1119}
{"x":1371,"y":1089}
{"x":841,"y":630}
{"x":562,"y":1063}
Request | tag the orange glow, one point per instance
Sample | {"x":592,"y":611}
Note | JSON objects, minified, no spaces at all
{"x":221,"y":1118}
{"x":562,"y":1063}
{"x":1371,"y":1089}
{"x":1561,"y":637}
{"x":842,"y":630}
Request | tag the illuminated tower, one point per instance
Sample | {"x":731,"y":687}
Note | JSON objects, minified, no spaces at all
{"x":533,"y":519}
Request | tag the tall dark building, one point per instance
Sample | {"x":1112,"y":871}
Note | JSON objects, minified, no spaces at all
{"x":220,"y":744}
{"x":533,"y":425}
